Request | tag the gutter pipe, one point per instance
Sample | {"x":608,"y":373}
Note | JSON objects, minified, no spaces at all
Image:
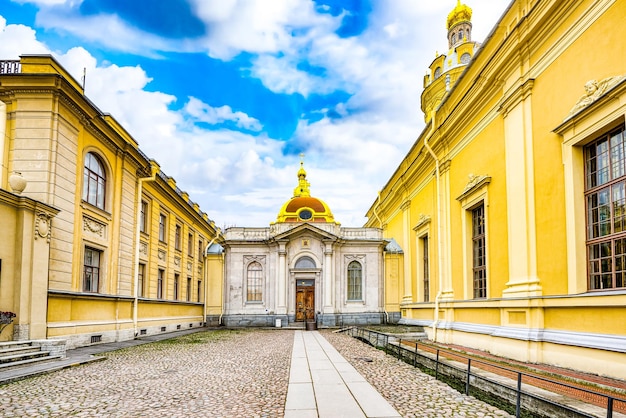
{"x":154,"y":170}
{"x":439,"y":225}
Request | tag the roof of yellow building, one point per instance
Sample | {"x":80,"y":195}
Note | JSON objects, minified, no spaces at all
{"x":303,"y":207}
{"x":461,"y":13}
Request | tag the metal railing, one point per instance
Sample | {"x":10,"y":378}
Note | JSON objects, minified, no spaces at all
{"x":436,"y":359}
{"x":10,"y":66}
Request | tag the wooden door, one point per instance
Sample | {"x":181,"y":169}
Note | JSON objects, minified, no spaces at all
{"x":305,"y":303}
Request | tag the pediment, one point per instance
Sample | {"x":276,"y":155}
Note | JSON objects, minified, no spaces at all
{"x":305,"y":228}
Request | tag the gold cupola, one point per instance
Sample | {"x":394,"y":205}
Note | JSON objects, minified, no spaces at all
{"x":303,"y":207}
{"x":447,"y":67}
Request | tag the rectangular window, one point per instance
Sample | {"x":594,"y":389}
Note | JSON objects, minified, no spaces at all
{"x":143,"y":217}
{"x":188,"y":289}
{"x":479,"y":252}
{"x":162,"y":227}
{"x":355,"y":281}
{"x":200,"y":250}
{"x":426,"y":269}
{"x":254,"y":282}
{"x":190,"y":245}
{"x":178,"y":238}
{"x":140,"y":280}
{"x":176,"y":285}
{"x":199,"y":290}
{"x":91,"y":270}
{"x":160,"y":279}
{"x":605,"y":195}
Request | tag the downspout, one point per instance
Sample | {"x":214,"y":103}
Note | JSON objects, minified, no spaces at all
{"x":380,"y":223}
{"x":3,"y":130}
{"x":154,"y":170}
{"x":439,"y":224}
{"x":206,"y":274}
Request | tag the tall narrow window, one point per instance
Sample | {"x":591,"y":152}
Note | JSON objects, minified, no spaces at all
{"x":200,"y":250}
{"x":355,"y":281}
{"x":160,"y":280}
{"x":199,"y":290}
{"x":190,"y":245}
{"x":143,"y":217}
{"x":178,"y":238}
{"x":140,"y":280}
{"x":94,"y":181}
{"x":605,"y":193}
{"x":91,"y":270}
{"x":479,"y":252}
{"x":176,"y":285}
{"x":162,"y":227}
{"x":426,"y":271}
{"x":188,"y":289}
{"x":255,"y":282}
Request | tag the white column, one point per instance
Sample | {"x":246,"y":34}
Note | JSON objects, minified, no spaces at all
{"x":281,"y":308}
{"x":329,"y":284}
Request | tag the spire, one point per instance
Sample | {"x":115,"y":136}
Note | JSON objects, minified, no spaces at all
{"x":302,"y":190}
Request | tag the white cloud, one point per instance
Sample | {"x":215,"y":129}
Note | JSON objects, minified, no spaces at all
{"x":202,"y":112}
{"x":16,"y":40}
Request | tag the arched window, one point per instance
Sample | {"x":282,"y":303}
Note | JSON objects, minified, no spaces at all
{"x":460,"y":35}
{"x":453,"y":39}
{"x":355,"y":281}
{"x":255,"y":282}
{"x":94,"y":181}
{"x":305,"y":262}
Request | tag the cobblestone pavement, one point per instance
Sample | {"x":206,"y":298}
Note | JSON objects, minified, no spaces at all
{"x":222,"y":373}
{"x":412,"y":392}
{"x":211,"y":374}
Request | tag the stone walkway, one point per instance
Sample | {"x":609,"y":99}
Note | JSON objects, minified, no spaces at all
{"x":223,"y":373}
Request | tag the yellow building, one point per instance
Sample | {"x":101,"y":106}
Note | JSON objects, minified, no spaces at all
{"x":100,"y":245}
{"x":509,"y":209}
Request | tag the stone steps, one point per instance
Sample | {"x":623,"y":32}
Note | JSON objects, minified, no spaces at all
{"x":15,"y":354}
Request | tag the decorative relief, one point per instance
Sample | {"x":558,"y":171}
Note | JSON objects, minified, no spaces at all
{"x":422,"y":221}
{"x":474,"y":183}
{"x":162,"y":255}
{"x":94,"y":227}
{"x":306,"y":243}
{"x":177,"y":261}
{"x":250,"y":258}
{"x":595,"y":89}
{"x":143,"y":248}
{"x":43,"y":222}
{"x":189,"y":266}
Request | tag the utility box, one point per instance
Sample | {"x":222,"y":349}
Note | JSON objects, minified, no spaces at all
{"x":278,"y":323}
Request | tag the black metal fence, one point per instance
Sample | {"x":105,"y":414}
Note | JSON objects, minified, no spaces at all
{"x":474,"y":376}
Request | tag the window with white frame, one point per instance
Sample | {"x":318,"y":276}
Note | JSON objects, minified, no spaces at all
{"x":162,"y":227}
{"x":355,"y":281}
{"x":425,"y":268}
{"x":94,"y":181}
{"x":91,"y":270}
{"x":141,"y":274}
{"x":479,"y":253}
{"x":605,"y":195}
{"x":254,"y":282}
{"x":160,"y":281}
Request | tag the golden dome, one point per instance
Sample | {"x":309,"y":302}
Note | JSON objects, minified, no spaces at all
{"x":302,"y":207}
{"x":461,"y":13}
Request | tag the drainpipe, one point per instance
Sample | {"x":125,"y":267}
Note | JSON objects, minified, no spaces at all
{"x":380,"y":223}
{"x":439,"y":224}
{"x":154,"y":170}
{"x":206,"y":274}
{"x":3,"y":130}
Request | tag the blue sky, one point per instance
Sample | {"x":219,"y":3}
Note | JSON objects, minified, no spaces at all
{"x":226,"y":94}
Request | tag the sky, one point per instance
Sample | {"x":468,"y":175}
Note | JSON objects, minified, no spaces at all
{"x":226,"y":94}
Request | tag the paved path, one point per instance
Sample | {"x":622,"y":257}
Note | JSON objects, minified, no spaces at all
{"x":239,"y":373}
{"x":323,"y":384}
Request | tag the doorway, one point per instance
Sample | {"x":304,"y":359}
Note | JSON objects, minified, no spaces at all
{"x":305,"y":300}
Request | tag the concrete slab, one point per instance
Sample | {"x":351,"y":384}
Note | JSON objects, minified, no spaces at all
{"x":337,"y":389}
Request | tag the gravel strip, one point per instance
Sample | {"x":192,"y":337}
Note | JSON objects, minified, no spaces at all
{"x":242,"y":373}
{"x":412,"y":392}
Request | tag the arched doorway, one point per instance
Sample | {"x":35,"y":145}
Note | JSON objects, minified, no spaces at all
{"x":305,"y":289}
